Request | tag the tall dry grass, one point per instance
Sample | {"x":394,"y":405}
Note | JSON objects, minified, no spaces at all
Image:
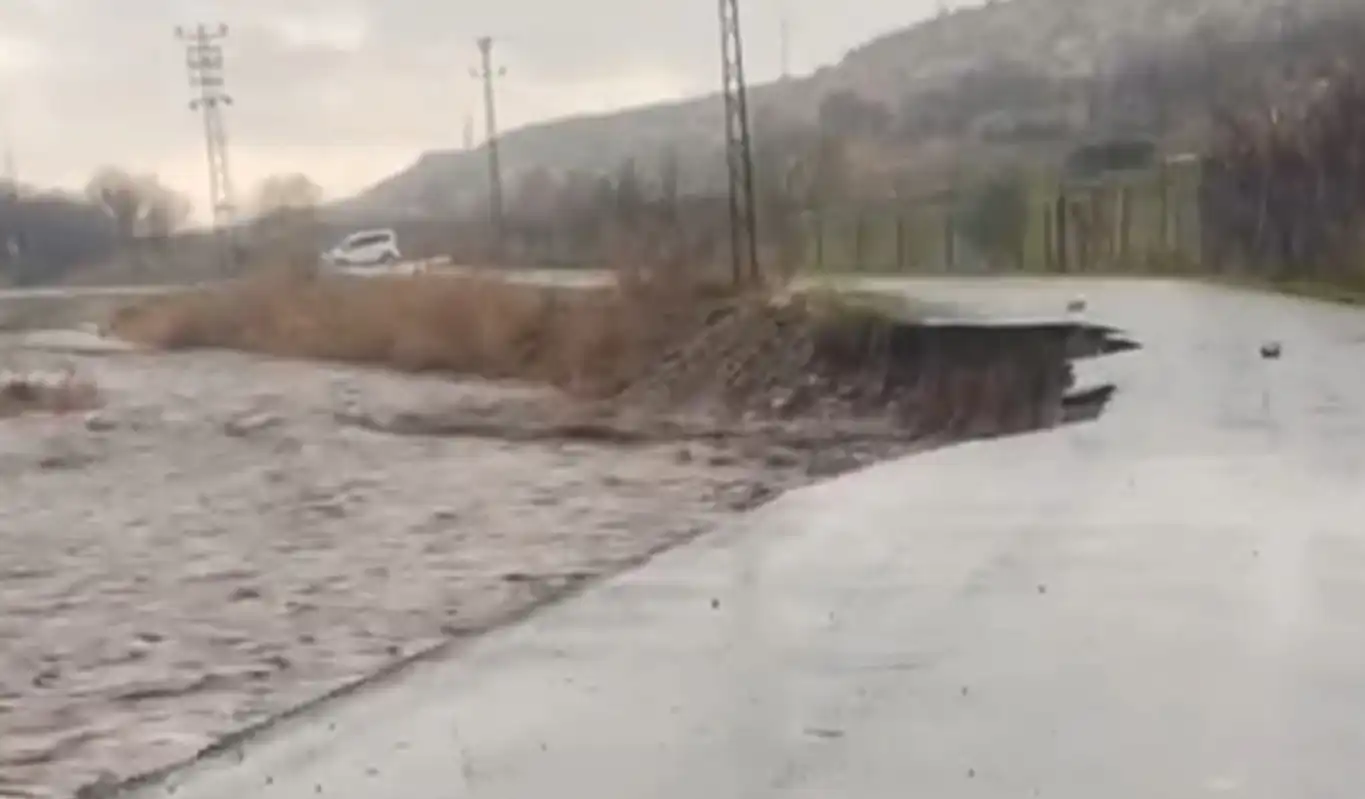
{"x":590,"y":341}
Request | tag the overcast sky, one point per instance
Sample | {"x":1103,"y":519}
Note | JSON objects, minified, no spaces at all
{"x":349,"y":91}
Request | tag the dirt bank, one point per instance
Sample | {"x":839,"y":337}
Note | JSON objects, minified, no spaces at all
{"x":231,"y":535}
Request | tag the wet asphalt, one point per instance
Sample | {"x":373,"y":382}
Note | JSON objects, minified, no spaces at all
{"x":1167,"y":602}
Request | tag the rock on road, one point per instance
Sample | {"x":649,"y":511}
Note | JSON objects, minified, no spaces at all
{"x":1163,"y":603}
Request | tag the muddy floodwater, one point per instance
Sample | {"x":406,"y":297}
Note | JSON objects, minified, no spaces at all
{"x":214,"y":546}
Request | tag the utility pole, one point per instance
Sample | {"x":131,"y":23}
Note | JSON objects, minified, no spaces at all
{"x":738,"y":149}
{"x":486,"y":73}
{"x":204,"y":62}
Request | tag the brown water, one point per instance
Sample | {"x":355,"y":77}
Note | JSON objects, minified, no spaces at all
{"x":214,"y":547}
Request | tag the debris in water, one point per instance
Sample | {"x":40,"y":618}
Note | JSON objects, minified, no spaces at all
{"x":1270,"y":350}
{"x":1075,"y":306}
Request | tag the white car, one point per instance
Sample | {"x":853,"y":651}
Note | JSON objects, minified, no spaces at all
{"x":365,"y":248}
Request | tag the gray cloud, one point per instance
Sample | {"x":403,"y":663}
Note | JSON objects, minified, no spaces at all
{"x":348,"y":89}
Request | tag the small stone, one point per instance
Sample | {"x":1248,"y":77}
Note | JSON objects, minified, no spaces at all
{"x":781,"y":459}
{"x":830,"y":464}
{"x":249,"y":424}
{"x":752,"y":495}
{"x":244,"y":593}
{"x":64,"y":460}
{"x":722,"y":459}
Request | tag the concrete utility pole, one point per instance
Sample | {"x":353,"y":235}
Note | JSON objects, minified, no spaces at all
{"x":738,"y":149}
{"x":204,"y":62}
{"x":486,"y":73}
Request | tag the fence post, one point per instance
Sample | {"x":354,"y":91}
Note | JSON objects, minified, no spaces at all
{"x":949,"y":243}
{"x":819,"y":240}
{"x":1063,"y":248}
{"x":858,"y":244}
{"x":1163,"y":200}
{"x":900,"y":243}
{"x":1124,"y":220}
{"x":1049,"y":261}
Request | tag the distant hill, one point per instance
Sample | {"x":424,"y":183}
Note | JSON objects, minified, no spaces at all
{"x":1009,"y":70}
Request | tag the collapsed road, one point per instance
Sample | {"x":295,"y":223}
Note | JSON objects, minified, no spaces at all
{"x":1163,"y":602}
{"x":225,"y":536}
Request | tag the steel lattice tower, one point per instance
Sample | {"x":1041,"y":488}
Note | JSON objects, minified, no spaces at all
{"x":738,"y":149}
{"x":204,"y":61}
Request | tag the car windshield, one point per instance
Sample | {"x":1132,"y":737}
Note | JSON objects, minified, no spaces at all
{"x":892,"y":399}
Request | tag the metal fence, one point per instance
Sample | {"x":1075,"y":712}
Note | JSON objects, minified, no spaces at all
{"x":1146,"y":220}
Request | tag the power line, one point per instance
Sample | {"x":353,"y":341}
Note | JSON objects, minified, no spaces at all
{"x":486,"y":73}
{"x":738,"y":149}
{"x":204,"y":62}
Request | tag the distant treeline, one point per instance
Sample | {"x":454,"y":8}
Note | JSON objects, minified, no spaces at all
{"x":44,"y":237}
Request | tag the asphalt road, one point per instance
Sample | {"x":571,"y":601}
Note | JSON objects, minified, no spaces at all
{"x":1164,"y":603}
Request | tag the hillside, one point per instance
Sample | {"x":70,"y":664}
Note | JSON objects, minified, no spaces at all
{"x":1007,"y":70}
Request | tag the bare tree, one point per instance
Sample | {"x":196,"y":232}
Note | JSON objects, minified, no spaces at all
{"x":286,"y":225}
{"x":140,"y":206}
{"x":291,"y":192}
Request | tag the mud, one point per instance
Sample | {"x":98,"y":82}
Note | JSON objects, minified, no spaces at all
{"x":230,"y":536}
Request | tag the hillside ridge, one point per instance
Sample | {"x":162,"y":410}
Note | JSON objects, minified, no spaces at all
{"x":1040,"y":40}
